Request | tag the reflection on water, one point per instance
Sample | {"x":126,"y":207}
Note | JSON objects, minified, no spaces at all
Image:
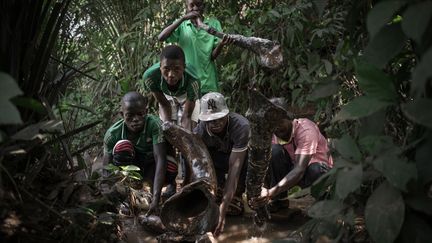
{"x":237,"y":229}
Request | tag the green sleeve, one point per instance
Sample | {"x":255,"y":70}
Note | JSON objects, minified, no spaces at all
{"x":193,"y":90}
{"x":217,"y":25}
{"x":109,"y":142}
{"x":150,"y":81}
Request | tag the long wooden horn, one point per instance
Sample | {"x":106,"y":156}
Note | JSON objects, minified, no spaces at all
{"x":263,"y":117}
{"x":269,"y":52}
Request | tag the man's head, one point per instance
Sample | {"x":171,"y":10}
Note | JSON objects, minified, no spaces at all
{"x":195,"y":5}
{"x":172,"y":64}
{"x":284,"y":128}
{"x":214,"y":111}
{"x":134,"y":110}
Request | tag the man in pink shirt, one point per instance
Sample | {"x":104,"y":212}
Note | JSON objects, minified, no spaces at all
{"x":300,"y":155}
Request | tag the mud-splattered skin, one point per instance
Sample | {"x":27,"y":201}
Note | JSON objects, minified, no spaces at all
{"x":191,"y":212}
{"x":263,"y":116}
{"x":270,"y":52}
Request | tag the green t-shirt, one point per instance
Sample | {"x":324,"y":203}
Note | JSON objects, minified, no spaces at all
{"x":151,"y":134}
{"x":154,"y":82}
{"x":198,"y":46}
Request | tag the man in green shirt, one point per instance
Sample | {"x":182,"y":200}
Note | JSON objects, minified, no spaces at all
{"x":137,"y":139}
{"x":201,"y":48}
{"x":175,"y":86}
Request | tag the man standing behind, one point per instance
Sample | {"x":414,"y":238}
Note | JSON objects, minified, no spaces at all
{"x":226,"y":135}
{"x":201,"y":48}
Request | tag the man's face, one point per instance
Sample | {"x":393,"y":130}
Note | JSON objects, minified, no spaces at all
{"x":195,"y":5}
{"x":172,"y":70}
{"x":284,"y":129}
{"x":218,"y":125}
{"x":134,"y":114}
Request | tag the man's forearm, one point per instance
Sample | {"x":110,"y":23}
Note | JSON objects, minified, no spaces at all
{"x":168,"y":30}
{"x":216,"y":51}
{"x":290,"y":180}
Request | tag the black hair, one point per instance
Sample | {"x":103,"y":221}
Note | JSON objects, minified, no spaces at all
{"x":133,"y":97}
{"x":172,"y":52}
{"x":282,"y":103}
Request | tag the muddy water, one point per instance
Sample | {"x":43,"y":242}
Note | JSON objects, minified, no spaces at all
{"x":239,"y":228}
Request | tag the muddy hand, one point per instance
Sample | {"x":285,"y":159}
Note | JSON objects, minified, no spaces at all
{"x":153,"y":209}
{"x":227,"y":40}
{"x":260,"y":201}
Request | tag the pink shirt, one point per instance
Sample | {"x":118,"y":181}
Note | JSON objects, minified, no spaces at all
{"x":307,"y":139}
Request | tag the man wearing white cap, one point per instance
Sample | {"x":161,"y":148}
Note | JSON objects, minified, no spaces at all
{"x":226,"y":135}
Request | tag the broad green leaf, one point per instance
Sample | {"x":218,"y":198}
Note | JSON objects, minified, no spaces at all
{"x":326,"y":209}
{"x":39,"y":129}
{"x":8,"y":90}
{"x":385,"y":45}
{"x":420,"y":203}
{"x":29,"y":103}
{"x":134,"y":175}
{"x":130,"y":168}
{"x":319,"y":187}
{"x":374,"y":82}
{"x":111,"y":167}
{"x":398,"y":171}
{"x":347,"y":147}
{"x":324,"y":90}
{"x":419,"y":111}
{"x":381,"y":14}
{"x":320,"y":5}
{"x":374,"y":145}
{"x":416,"y":20}
{"x":360,"y":107}
{"x":328,"y":66}
{"x":423,"y":161}
{"x":415,"y":229}
{"x":348,"y":180}
{"x":384,"y":213}
{"x":422,"y":73}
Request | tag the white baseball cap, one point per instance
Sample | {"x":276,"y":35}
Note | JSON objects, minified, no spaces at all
{"x":213,"y":107}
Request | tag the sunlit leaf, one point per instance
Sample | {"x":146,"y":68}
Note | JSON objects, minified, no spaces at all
{"x":8,"y":90}
{"x":398,"y":171}
{"x":384,"y":213}
{"x":348,"y":180}
{"x":374,"y":82}
{"x":360,"y":107}
{"x":130,"y":168}
{"x":388,"y":42}
{"x":347,"y":147}
{"x":419,"y":111}
{"x":416,"y":20}
{"x":381,"y":14}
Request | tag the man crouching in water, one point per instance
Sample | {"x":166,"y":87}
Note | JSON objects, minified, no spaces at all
{"x":137,"y":139}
